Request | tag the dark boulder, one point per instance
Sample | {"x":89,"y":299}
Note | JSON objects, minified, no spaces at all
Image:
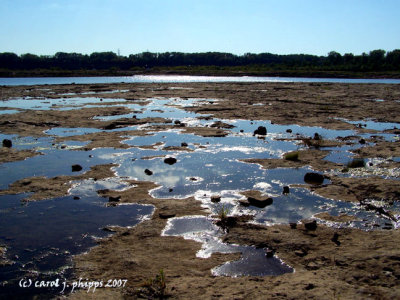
{"x":170,"y":160}
{"x":148,"y":172}
{"x":260,"y":202}
{"x":76,"y":168}
{"x":310,"y":225}
{"x":184,"y":144}
{"x":314,"y":178}
{"x":114,"y":199}
{"x":166,"y":215}
{"x":285,"y":190}
{"x":7,"y":143}
{"x":215,"y":199}
{"x":261,"y":130}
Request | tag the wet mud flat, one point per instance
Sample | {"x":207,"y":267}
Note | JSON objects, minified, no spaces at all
{"x":228,"y":190}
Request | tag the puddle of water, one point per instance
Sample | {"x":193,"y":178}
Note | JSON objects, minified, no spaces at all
{"x":58,"y":104}
{"x":253,"y":262}
{"x":41,"y":236}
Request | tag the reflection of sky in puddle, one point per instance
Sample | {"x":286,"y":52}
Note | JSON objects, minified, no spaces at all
{"x":61,"y":104}
{"x":374,"y":125}
{"x":253,"y":262}
{"x":44,"y":234}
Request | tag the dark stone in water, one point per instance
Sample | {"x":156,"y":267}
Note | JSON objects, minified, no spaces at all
{"x":215,"y":199}
{"x":269,"y":253}
{"x":193,"y":178}
{"x":177,"y":122}
{"x":241,"y":130}
{"x":184,"y":144}
{"x":7,"y":143}
{"x":285,"y":190}
{"x":261,"y":130}
{"x":310,"y":225}
{"x":260,"y":203}
{"x":313,"y":178}
{"x":171,"y":190}
{"x":76,"y":198}
{"x":170,"y":160}
{"x":362,"y":141}
{"x":289,"y":130}
{"x":148,"y":172}
{"x":317,"y":137}
{"x":76,"y":168}
{"x":114,"y":199}
{"x":244,"y":203}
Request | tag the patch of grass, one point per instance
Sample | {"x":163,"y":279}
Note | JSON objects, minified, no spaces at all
{"x":223,"y":212}
{"x":154,"y":288}
{"x":293,"y":156}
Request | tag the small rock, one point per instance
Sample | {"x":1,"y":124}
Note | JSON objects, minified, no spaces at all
{"x":148,"y":172}
{"x":170,"y":190}
{"x":7,"y":143}
{"x":114,"y":199}
{"x":300,"y":253}
{"x":170,"y":160}
{"x":289,"y":130}
{"x":313,"y":178}
{"x":269,"y":253}
{"x":193,"y":178}
{"x":293,"y":225}
{"x":260,"y":203}
{"x":184,"y":144}
{"x":76,"y":198}
{"x":244,"y":203}
{"x":177,"y":122}
{"x":285,"y":190}
{"x":362,"y":141}
{"x":311,"y":225}
{"x":215,"y":199}
{"x":166,"y":215}
{"x":317,"y":137}
{"x":261,"y":130}
{"x":241,"y":130}
{"x":335,"y":239}
{"x":310,"y":286}
{"x":76,"y":168}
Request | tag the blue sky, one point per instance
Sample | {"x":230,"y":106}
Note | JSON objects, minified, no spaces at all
{"x":45,"y":27}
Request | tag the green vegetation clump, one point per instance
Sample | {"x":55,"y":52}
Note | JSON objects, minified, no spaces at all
{"x":293,"y":156}
{"x":223,"y":212}
{"x":154,"y":288}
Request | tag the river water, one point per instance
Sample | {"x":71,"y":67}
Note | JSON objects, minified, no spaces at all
{"x":179,"y":79}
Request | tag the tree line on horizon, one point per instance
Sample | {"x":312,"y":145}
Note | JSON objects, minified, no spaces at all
{"x":376,"y":60}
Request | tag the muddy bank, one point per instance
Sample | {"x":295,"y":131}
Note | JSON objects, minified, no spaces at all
{"x":47,"y":188}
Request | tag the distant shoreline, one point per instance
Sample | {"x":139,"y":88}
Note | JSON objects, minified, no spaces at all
{"x":210,"y":71}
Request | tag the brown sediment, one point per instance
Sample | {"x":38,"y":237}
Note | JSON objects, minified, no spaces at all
{"x":359,"y":189}
{"x":104,"y":139}
{"x":10,"y":154}
{"x":47,"y":188}
{"x":341,"y":218}
{"x":313,"y":158}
